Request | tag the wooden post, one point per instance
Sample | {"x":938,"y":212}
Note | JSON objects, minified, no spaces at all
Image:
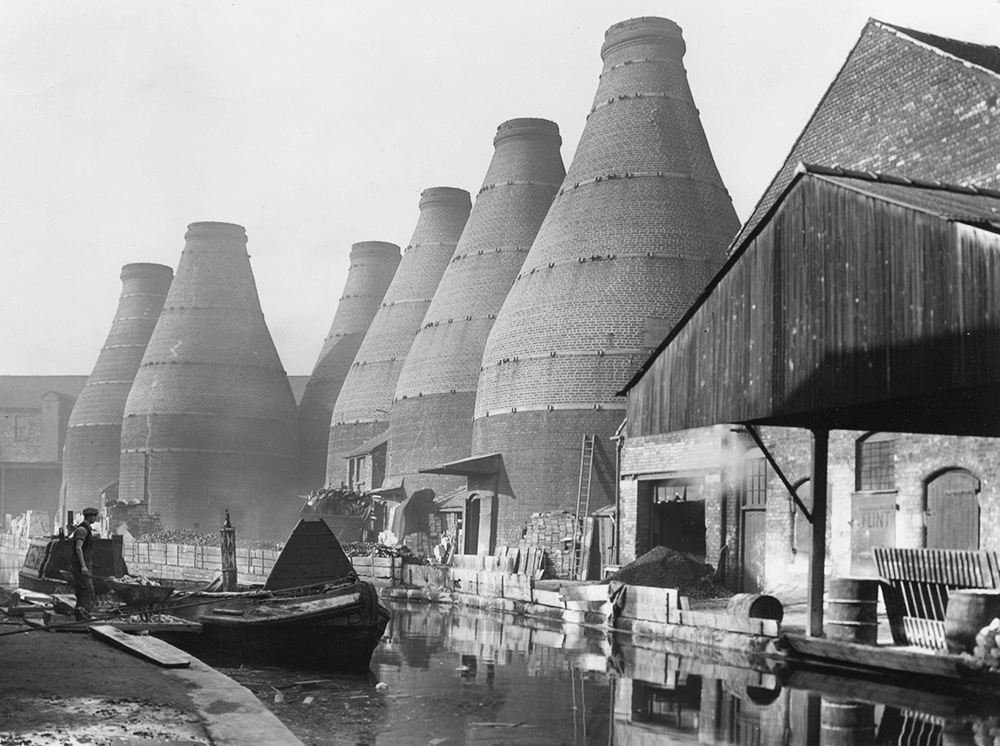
{"x":228,"y":544}
{"x":817,"y":560}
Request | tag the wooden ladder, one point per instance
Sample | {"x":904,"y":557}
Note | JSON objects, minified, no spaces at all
{"x":583,"y":504}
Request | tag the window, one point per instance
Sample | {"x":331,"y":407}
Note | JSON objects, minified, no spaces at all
{"x":21,"y":429}
{"x":875,"y":463}
{"x":754,"y":483}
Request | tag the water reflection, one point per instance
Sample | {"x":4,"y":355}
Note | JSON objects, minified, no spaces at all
{"x":10,"y":563}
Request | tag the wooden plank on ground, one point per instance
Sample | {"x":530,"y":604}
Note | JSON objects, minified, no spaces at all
{"x":142,"y":646}
{"x":649,"y":604}
{"x":764,"y":627}
{"x":518,"y":587}
{"x":907,"y":660}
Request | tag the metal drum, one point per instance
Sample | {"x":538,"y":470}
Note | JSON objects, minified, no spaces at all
{"x":852,"y":610}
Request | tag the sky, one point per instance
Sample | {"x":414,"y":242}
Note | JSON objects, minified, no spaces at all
{"x":316,"y":124}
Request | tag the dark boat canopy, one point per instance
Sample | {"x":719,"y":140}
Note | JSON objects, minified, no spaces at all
{"x":860,"y":302}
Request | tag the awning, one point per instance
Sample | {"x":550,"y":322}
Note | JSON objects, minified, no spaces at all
{"x":391,"y":489}
{"x":454,"y":500}
{"x":369,"y":445}
{"x":474,"y":465}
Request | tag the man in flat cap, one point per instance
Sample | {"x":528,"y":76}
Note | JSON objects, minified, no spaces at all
{"x":83,"y":564}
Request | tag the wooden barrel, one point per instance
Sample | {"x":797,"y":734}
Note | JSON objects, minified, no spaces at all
{"x":852,"y":610}
{"x":845,"y":723}
{"x":755,"y":606}
{"x":969,"y":610}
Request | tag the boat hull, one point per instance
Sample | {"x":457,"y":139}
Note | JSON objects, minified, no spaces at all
{"x":332,"y":626}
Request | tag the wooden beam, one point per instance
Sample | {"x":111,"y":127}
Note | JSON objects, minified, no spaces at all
{"x":817,"y":560}
{"x":777,"y":470}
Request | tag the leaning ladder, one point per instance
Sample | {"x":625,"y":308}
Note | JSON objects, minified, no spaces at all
{"x":583,"y":501}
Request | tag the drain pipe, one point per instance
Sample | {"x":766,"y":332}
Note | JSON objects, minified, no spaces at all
{"x":619,"y":440}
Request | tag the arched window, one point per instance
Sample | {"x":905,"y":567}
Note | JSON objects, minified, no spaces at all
{"x":875,"y":460}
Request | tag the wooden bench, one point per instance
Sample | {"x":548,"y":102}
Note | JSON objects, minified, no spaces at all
{"x":915,"y":585}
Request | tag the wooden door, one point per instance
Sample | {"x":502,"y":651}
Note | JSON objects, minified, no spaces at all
{"x":953,"y":511}
{"x":472,"y":525}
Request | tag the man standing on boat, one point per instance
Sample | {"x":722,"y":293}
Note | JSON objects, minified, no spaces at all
{"x":83,"y":565}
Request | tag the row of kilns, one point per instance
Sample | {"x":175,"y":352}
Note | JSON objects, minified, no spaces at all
{"x":361,"y":412}
{"x":435,"y":356}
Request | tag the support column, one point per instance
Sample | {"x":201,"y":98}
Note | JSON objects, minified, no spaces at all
{"x":817,"y":560}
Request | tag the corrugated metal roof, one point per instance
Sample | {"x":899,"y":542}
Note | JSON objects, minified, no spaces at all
{"x":25,"y":392}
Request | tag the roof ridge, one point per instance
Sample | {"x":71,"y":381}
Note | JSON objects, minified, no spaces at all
{"x":886,"y":178}
{"x":929,"y":41}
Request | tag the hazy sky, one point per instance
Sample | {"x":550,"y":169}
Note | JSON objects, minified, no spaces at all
{"x":317,"y":124}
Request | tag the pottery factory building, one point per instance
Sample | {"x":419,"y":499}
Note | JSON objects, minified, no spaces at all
{"x":835,"y":387}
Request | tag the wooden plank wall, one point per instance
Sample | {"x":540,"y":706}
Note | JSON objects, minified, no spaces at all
{"x":840,"y":300}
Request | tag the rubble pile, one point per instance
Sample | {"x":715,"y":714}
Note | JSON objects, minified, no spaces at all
{"x":665,"y":568}
{"x":212,"y":539}
{"x":374,"y":549}
{"x":336,"y":501}
{"x":988,"y":644}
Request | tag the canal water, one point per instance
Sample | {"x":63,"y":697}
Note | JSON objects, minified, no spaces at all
{"x":445,"y":677}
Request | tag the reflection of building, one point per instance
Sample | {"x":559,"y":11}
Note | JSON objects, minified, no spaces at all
{"x":34,"y":412}
{"x":857,"y":302}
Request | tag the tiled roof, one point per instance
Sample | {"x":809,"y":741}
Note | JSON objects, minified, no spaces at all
{"x":977,"y":54}
{"x":904,"y":102}
{"x":25,"y":392}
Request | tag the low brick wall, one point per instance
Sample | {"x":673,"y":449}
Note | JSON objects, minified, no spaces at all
{"x":196,"y":563}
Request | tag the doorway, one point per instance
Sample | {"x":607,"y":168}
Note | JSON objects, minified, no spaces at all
{"x":952,"y":510}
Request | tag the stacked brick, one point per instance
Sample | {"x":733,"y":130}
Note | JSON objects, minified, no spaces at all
{"x":640,"y":225}
{"x":210,"y":422}
{"x":373,"y":265}
{"x":93,"y":436}
{"x":554,"y":533}
{"x":431,"y":417}
{"x":362,"y":409}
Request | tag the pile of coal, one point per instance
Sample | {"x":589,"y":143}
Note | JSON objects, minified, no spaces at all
{"x":189,"y":537}
{"x":337,"y":501}
{"x":665,"y":568}
{"x":374,"y":549}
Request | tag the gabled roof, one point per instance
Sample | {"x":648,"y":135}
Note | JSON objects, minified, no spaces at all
{"x":25,"y":392}
{"x":977,"y":206}
{"x":904,"y":101}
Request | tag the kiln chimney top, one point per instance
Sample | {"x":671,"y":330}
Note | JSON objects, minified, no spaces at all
{"x":458,"y":197}
{"x":645,"y":30}
{"x":528,"y":127}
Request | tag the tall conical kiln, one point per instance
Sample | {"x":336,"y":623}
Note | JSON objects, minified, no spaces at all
{"x":210,"y":422}
{"x":431,"y":418}
{"x":373,"y":265}
{"x":93,"y":436}
{"x":362,"y":409}
{"x":641,"y":223}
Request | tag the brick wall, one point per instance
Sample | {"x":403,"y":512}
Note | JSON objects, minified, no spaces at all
{"x":28,"y":448}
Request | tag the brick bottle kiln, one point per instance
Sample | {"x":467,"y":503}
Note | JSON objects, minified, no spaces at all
{"x":93,"y":436}
{"x":373,"y":265}
{"x":362,"y":409}
{"x":210,"y":422}
{"x":431,"y":417}
{"x":640,"y":225}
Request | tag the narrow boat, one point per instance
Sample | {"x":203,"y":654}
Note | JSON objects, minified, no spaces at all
{"x":313,"y":608}
{"x":47,"y":559}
